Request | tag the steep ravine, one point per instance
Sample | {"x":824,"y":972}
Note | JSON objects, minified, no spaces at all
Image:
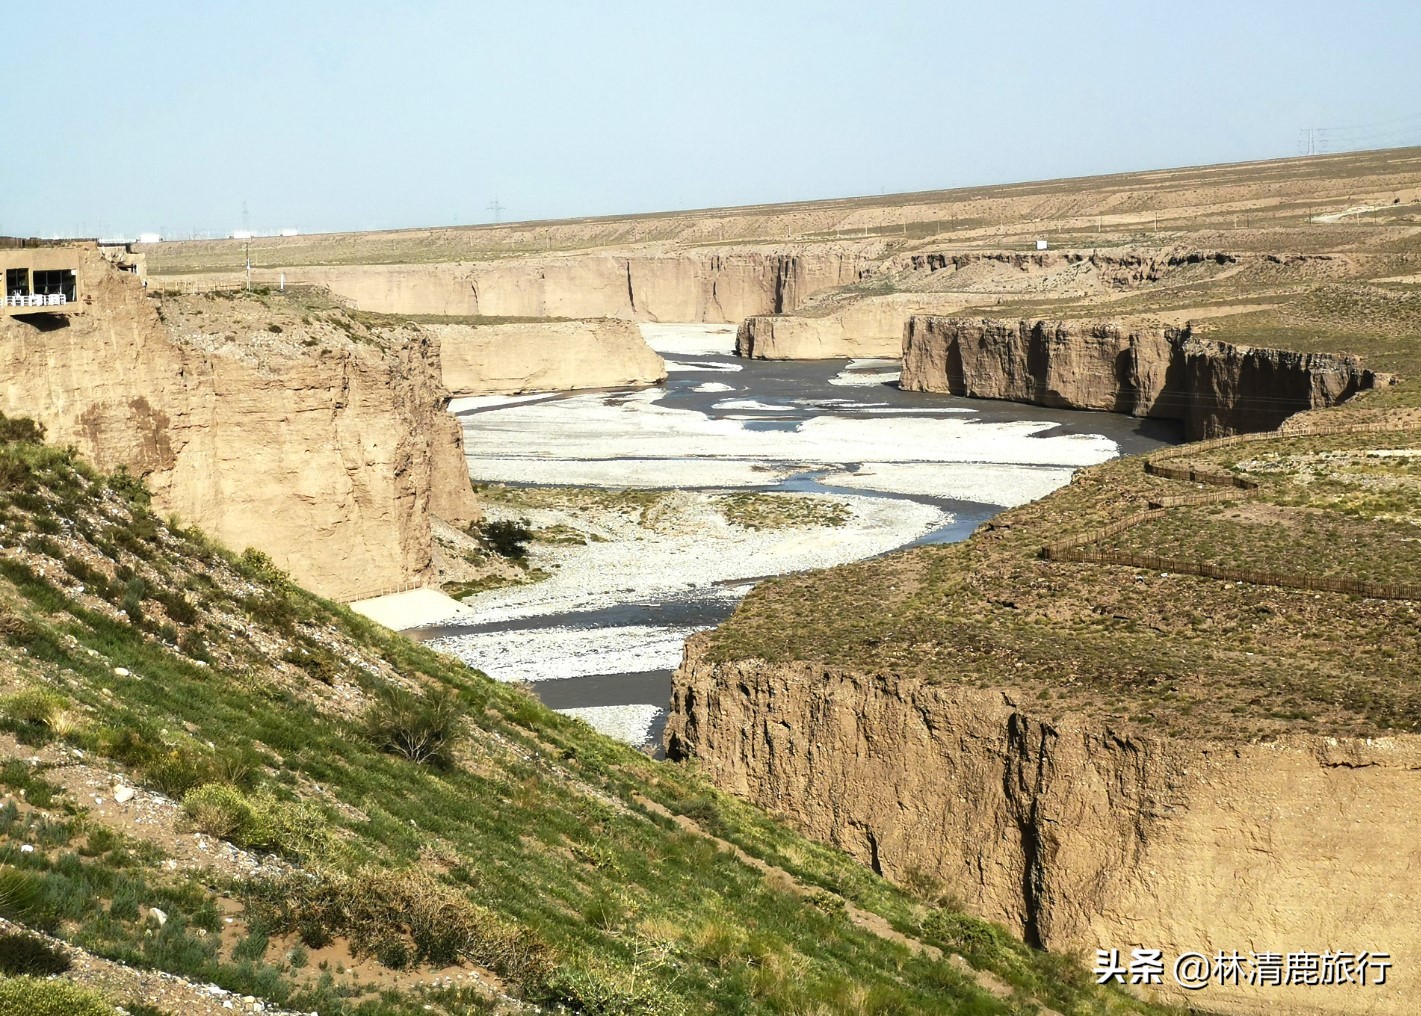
{"x":1078,"y":836}
{"x":1214,"y":387}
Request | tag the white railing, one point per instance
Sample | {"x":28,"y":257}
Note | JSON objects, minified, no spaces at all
{"x":36,"y":300}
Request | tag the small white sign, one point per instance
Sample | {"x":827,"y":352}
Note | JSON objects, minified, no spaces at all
{"x":1041,"y":245}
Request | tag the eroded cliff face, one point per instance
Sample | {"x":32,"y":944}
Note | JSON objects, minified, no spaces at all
{"x":871,"y":326}
{"x":1214,"y":387}
{"x":712,"y":288}
{"x":545,"y":356}
{"x":1078,"y":836}
{"x":302,"y":434}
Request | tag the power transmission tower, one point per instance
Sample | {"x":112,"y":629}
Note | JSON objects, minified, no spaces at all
{"x":497,"y":210}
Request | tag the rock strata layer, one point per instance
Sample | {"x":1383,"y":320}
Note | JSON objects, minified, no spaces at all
{"x":320,"y":442}
{"x":1215,"y":388}
{"x":545,"y":356}
{"x":1077,"y":836}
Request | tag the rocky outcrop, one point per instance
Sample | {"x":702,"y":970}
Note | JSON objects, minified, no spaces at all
{"x":290,"y":429}
{"x":545,"y":356}
{"x":1077,"y":836}
{"x":713,"y":288}
{"x":871,"y":326}
{"x":1213,"y":387}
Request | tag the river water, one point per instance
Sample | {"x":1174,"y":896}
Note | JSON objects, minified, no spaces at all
{"x":599,"y":639}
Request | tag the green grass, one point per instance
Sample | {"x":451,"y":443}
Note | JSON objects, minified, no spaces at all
{"x":780,"y":511}
{"x":527,"y":816}
{"x":1175,"y":654}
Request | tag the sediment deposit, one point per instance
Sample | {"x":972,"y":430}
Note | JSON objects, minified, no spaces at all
{"x":544,"y":356}
{"x":1075,"y":835}
{"x":304,"y":435}
{"x":1213,"y":387}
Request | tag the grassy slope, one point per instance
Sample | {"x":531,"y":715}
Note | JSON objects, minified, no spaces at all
{"x":219,"y":672}
{"x":1177,"y":654}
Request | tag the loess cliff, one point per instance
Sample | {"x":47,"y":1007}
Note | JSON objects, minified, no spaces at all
{"x":716,"y":288}
{"x":544,"y":356}
{"x":292,"y":429}
{"x":1076,"y":835}
{"x":1215,"y":388}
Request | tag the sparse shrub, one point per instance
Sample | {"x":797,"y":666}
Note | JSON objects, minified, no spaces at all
{"x":192,"y":643}
{"x":133,"y":593}
{"x":24,"y":954}
{"x":507,"y":538}
{"x":274,"y":328}
{"x":274,"y":610}
{"x":131,"y":488}
{"x":33,"y":709}
{"x":975,"y":939}
{"x":175,"y":771}
{"x":255,"y":565}
{"x":259,"y":821}
{"x":421,"y":728}
{"x":393,"y":953}
{"x":178,"y":609}
{"x":596,"y":991}
{"x":20,"y":430}
{"x":318,"y":662}
{"x":218,"y":810}
{"x":26,"y":996}
{"x":375,"y":907}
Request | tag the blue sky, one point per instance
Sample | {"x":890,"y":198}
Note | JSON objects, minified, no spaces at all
{"x":328,"y":116}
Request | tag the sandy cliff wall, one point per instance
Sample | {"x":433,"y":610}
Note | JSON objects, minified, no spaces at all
{"x":715,"y":288}
{"x":1213,"y":387}
{"x":1076,"y":836}
{"x":545,"y":356}
{"x":326,"y":448}
{"x":872,"y":326}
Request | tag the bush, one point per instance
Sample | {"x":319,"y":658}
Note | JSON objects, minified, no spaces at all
{"x":25,"y":996}
{"x":133,"y":593}
{"x":599,"y":992}
{"x":508,"y":538}
{"x":377,"y":909}
{"x":20,"y":430}
{"x":421,"y":728}
{"x":33,"y":708}
{"x":260,"y":821}
{"x":131,"y":488}
{"x":24,"y":954}
{"x":219,"y":810}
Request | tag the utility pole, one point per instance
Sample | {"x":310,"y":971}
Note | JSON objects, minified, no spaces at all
{"x":496,"y":208}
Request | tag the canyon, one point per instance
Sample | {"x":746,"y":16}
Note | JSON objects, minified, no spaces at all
{"x":1075,"y":834}
{"x":973,"y":742}
{"x":293,"y":430}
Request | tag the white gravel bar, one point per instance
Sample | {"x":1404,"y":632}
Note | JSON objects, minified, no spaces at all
{"x":631,"y":724}
{"x":551,"y":654}
{"x":689,"y":339}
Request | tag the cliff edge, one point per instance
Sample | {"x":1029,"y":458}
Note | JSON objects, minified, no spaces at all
{"x":545,"y":356}
{"x":271,"y":422}
{"x":1215,"y":388}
